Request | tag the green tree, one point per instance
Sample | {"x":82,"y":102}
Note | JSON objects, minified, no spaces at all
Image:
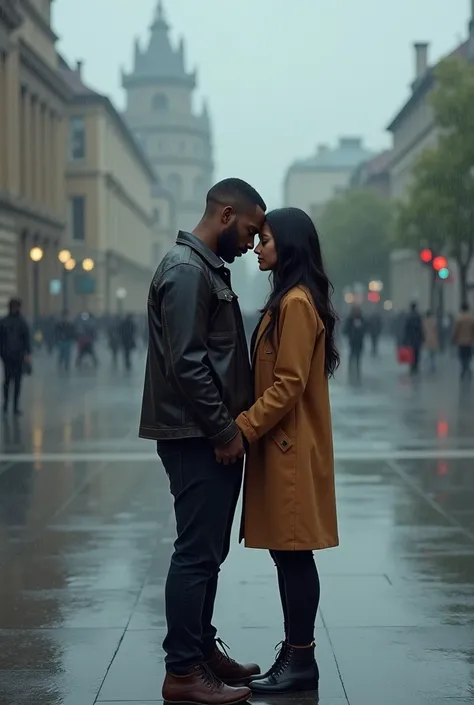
{"x":440,"y":207}
{"x":355,"y":230}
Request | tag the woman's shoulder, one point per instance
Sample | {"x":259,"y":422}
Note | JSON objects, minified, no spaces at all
{"x":301,"y":295}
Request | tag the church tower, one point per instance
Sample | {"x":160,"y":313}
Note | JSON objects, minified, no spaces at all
{"x":159,"y":110}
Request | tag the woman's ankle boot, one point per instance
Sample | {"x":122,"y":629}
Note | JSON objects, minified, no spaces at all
{"x":295,"y":670}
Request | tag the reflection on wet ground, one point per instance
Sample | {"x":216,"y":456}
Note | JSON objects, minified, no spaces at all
{"x":86,"y":533}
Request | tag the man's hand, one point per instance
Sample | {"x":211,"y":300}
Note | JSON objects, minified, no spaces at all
{"x":232,"y":451}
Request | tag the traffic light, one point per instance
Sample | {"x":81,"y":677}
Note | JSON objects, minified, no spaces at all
{"x":426,"y":256}
{"x":440,"y":263}
{"x":443,"y":273}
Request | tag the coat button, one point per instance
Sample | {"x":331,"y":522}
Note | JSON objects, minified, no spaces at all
{"x":284,"y":444}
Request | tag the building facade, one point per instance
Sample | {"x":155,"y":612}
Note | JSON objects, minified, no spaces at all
{"x":311,"y":183}
{"x":374,"y":174}
{"x":413,"y":130}
{"x":33,"y":99}
{"x":111,"y":216}
{"x":176,"y":140}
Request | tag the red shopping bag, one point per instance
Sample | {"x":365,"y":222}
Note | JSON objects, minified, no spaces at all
{"x":405,"y":355}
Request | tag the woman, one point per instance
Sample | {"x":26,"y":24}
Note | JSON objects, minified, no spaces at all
{"x":289,"y":499}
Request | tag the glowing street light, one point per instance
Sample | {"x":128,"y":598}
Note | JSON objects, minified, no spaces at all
{"x":36,"y":254}
{"x":376,"y":286}
{"x":349,"y":298}
{"x":70,"y":264}
{"x":88,"y":264}
{"x":64,"y":256}
{"x":388,"y":305}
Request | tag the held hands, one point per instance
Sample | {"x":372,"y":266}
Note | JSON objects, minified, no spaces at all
{"x":231,"y":452}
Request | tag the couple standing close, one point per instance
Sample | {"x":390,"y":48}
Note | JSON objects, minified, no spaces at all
{"x":207,"y":406}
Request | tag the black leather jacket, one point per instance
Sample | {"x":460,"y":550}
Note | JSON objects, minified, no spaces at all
{"x":198,"y":377}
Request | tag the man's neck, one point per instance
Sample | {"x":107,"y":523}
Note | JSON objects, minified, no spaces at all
{"x":202,"y":231}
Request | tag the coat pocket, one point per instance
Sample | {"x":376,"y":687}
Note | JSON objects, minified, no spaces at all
{"x":283,"y":441}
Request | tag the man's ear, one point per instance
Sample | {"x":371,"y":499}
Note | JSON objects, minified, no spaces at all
{"x":226,"y":215}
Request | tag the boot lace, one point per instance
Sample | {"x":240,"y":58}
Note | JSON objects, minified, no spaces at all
{"x":223,"y":653}
{"x":207,"y":676}
{"x":282,"y":660}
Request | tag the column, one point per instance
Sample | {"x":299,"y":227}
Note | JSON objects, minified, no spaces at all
{"x":12,"y":80}
{"x":28,"y":146}
{"x":3,"y":119}
{"x":39,"y":150}
{"x":33,"y":147}
{"x":50,"y":159}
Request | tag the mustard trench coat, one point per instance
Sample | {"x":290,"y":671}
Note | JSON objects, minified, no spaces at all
{"x":289,"y":495}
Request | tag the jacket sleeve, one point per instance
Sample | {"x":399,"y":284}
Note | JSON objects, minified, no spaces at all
{"x":299,"y":329}
{"x":185,"y":307}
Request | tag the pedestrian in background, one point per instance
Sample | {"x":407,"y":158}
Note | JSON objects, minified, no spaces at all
{"x":289,"y":496}
{"x":127,"y":336}
{"x":355,"y":330}
{"x":413,"y":337}
{"x":431,"y":339}
{"x":15,"y":351}
{"x":463,"y":337}
{"x":374,"y":327}
{"x":65,"y":335}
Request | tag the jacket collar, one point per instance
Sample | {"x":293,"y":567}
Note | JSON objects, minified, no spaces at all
{"x":198,"y":246}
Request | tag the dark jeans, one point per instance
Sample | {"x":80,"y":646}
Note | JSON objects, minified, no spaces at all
{"x":64,"y":354}
{"x":298,"y":582}
{"x":465,"y":357}
{"x":415,"y":366}
{"x":86,"y":350}
{"x":205,"y":497}
{"x":12,"y":374}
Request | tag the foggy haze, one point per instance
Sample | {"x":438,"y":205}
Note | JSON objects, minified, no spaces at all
{"x":279,"y":77}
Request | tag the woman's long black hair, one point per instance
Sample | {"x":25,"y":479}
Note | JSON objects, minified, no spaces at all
{"x":300,"y":263}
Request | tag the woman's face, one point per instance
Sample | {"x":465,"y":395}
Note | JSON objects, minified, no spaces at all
{"x":266,"y":250}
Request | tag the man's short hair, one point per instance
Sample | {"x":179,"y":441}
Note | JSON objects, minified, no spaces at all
{"x":236,"y":193}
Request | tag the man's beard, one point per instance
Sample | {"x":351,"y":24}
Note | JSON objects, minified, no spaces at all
{"x":228,"y":244}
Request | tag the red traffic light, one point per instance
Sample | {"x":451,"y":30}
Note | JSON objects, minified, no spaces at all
{"x":426,"y":256}
{"x":373,"y":297}
{"x":440,"y":263}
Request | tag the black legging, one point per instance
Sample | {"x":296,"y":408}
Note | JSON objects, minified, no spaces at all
{"x":298,"y":581}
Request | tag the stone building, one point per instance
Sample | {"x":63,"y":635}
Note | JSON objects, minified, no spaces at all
{"x":33,"y":99}
{"x":310,"y":183}
{"x":374,"y":174}
{"x":111,"y":218}
{"x":176,"y":139}
{"x":414,"y":130}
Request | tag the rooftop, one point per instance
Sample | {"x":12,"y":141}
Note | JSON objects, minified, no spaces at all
{"x":349,"y":153}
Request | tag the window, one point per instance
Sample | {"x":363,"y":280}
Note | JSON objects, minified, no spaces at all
{"x":77,"y":138}
{"x":160,"y":102}
{"x":77,"y":222}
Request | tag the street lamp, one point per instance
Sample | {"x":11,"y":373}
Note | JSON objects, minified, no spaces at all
{"x":88,"y":264}
{"x":36,"y":255}
{"x":69,"y":266}
{"x":64,"y":256}
{"x":121,"y":295}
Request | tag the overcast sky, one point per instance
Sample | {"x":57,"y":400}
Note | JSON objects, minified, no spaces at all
{"x":280,"y":76}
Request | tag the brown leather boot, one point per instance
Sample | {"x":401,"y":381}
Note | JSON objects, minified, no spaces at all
{"x":228,"y":670}
{"x":201,"y":687}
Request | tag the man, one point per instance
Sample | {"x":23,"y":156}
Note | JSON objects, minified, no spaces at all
{"x":15,"y":350}
{"x":197,"y":381}
{"x":463,"y":337}
{"x":355,"y":329}
{"x":65,"y":335}
{"x":414,"y":336}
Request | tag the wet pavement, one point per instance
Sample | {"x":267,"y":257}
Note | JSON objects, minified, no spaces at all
{"x":86,"y":532}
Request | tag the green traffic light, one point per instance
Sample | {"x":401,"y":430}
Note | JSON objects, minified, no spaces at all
{"x":443,"y":273}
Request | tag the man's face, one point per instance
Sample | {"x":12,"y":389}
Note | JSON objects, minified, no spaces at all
{"x":238,"y":235}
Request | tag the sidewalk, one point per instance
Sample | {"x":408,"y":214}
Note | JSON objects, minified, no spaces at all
{"x":85,"y":545}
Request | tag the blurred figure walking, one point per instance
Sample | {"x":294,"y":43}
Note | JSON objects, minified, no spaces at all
{"x":355,"y":330}
{"x":65,"y":335}
{"x":431,"y":339}
{"x":374,"y":327}
{"x":86,"y":340}
{"x":414,"y":336}
{"x":463,"y":337}
{"x":113,"y":338}
{"x":15,"y":350}
{"x":128,"y":332}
